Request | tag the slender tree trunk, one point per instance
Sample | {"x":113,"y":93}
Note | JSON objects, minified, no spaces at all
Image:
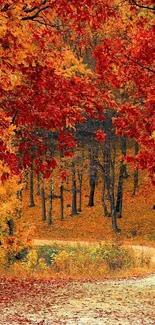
{"x":50,"y":209}
{"x":112,"y":194}
{"x":123,"y":141}
{"x":120,"y":192}
{"x":80,"y":177}
{"x":93,"y":177}
{"x":26,"y":178}
{"x":104,"y":184}
{"x":135,"y":185}
{"x":19,"y":196}
{"x":43,"y":204}
{"x":10,"y":224}
{"x":74,"y":190}
{"x":38,"y":184}
{"x":62,"y":202}
{"x":122,"y":174}
{"x":32,"y":204}
{"x":92,"y":192}
{"x":110,"y":157}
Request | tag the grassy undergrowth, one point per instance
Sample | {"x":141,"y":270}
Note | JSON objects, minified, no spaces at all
{"x":98,"y":261}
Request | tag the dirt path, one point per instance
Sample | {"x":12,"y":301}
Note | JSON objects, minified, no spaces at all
{"x":70,"y":302}
{"x":126,"y":302}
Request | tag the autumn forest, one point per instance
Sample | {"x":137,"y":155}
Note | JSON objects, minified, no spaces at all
{"x":77,"y":141}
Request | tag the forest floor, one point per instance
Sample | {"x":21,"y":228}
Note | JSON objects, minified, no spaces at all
{"x":82,"y":302}
{"x":137,"y":223}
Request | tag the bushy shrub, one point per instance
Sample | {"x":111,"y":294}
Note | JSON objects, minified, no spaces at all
{"x":114,"y":255}
{"x":48,"y":253}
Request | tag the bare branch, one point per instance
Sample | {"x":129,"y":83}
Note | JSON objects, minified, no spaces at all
{"x":47,"y":24}
{"x":36,"y":14}
{"x":133,"y":2}
{"x":14,"y":117}
{"x":33,"y":8}
{"x":141,"y":65}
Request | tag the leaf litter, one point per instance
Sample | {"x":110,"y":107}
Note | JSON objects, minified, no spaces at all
{"x":77,"y":302}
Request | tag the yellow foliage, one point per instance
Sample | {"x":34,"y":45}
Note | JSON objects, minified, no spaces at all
{"x":69,"y":65}
{"x":153,"y":135}
{"x":42,"y":264}
{"x":32,"y":259}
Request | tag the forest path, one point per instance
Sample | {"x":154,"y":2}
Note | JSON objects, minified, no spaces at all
{"x":137,"y":249}
{"x":71,"y":302}
{"x":78,"y":302}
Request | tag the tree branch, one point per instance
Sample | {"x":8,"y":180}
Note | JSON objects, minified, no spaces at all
{"x":13,"y":119}
{"x":47,"y":24}
{"x":36,"y":14}
{"x":33,"y":8}
{"x":133,"y":2}
{"x":141,"y":65}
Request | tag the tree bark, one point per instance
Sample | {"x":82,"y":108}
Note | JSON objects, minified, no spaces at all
{"x":92,"y":192}
{"x":10,"y":224}
{"x":93,"y":176}
{"x":50,"y":209}
{"x":136,"y":174}
{"x":62,"y":202}
{"x":123,"y":141}
{"x":112,"y":190}
{"x":104,"y":183}
{"x":38,"y":184}
{"x":110,"y":157}
{"x":26,"y":178}
{"x":19,"y":196}
{"x":80,"y":177}
{"x":120,"y":192}
{"x":43,"y":204}
{"x":74,"y":190}
{"x":32,"y":203}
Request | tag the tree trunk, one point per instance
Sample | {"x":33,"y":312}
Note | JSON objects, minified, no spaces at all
{"x":103,"y":199}
{"x":74,"y":191}
{"x":80,"y":190}
{"x":10,"y":224}
{"x":32,"y":204}
{"x":112,"y":189}
{"x":38,"y":184}
{"x":50,"y":221}
{"x":123,"y":151}
{"x":62,"y":202}
{"x":93,"y":176}
{"x":92,"y":192}
{"x":26,"y":178}
{"x":19,"y":196}
{"x":135,"y":185}
{"x":43,"y":204}
{"x":110,"y":157}
{"x":122,"y":174}
{"x":120,"y":192}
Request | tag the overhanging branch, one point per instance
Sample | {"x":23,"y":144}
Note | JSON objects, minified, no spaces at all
{"x":133,"y":2}
{"x":141,"y":65}
{"x":36,"y":14}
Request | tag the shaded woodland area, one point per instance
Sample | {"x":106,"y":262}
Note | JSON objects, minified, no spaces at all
{"x":93,"y":162}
